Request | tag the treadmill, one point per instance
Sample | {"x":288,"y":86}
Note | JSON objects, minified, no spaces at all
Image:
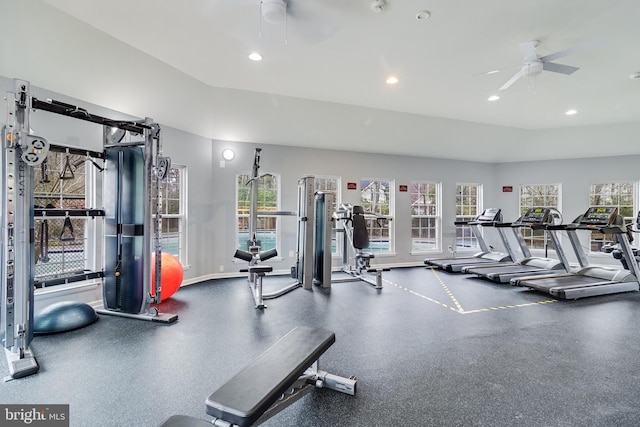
{"x":537,"y":219}
{"x":489,"y":217}
{"x":590,"y":280}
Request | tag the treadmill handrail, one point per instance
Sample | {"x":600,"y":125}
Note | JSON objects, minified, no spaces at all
{"x":606,"y":229}
{"x":489,"y":223}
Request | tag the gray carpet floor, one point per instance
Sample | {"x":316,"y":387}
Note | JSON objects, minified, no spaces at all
{"x":429,"y":349}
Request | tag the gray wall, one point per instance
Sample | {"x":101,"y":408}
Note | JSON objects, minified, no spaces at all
{"x":293,"y":163}
{"x":575,"y":175}
{"x":211,"y":188}
{"x":91,"y":69}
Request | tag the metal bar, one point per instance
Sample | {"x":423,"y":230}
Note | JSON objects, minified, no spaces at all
{"x":53,"y":212}
{"x":76,"y":112}
{"x":71,"y":278}
{"x":253,"y":191}
{"x":280,"y":292}
{"x":77,"y":151}
{"x":157,"y":229}
{"x":148,"y":219}
{"x":17,"y":306}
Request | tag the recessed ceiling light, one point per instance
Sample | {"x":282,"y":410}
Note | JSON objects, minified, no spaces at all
{"x":423,"y":15}
{"x":391,"y":80}
{"x":571,"y":112}
{"x":494,"y":98}
{"x":493,"y":71}
{"x":255,"y":56}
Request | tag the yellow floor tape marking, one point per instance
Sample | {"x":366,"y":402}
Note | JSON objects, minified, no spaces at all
{"x":458,"y":309}
{"x":420,"y":295}
{"x":503,"y":307}
{"x":444,"y":286}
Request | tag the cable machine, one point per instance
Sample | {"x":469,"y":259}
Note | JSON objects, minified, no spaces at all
{"x":302,"y":271}
{"x":130,"y":191}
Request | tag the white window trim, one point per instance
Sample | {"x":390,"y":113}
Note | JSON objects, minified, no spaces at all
{"x":438,"y":217}
{"x":391,"y":224}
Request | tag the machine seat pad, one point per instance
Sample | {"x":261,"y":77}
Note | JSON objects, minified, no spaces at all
{"x":184,"y":421}
{"x":244,"y":398}
{"x":260,"y":269}
{"x":365,"y":255}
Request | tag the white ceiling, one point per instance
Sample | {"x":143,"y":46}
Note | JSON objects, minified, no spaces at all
{"x":340,"y":51}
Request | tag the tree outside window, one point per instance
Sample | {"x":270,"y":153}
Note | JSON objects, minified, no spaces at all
{"x":376,"y":197}
{"x":268,"y":201}
{"x":538,"y":196}
{"x":616,"y":194}
{"x":425,"y":216}
{"x":468,"y":207}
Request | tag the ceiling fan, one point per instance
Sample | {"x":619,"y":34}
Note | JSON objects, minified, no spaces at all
{"x":533,"y":64}
{"x":313,"y":20}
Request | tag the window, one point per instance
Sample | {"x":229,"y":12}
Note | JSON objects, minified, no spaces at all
{"x":268,"y":201}
{"x":330,"y":185}
{"x":538,"y":196}
{"x":468,"y":207}
{"x":174,"y":233}
{"x":425,"y":216}
{"x":62,"y":243}
{"x":376,"y":197}
{"x":616,"y":194}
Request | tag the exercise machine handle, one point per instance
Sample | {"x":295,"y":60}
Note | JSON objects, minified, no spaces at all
{"x":263,"y":256}
{"x":243,"y":255}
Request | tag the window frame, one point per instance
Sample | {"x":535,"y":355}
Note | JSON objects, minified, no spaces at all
{"x":181,"y":216}
{"x":462,"y":231}
{"x":416,"y":189}
{"x":336,"y":245}
{"x":597,"y":240}
{"x":538,"y":239}
{"x":242,"y":218}
{"x":372,"y":226}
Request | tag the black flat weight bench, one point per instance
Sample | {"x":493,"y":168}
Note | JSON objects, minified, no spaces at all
{"x":280,"y":376}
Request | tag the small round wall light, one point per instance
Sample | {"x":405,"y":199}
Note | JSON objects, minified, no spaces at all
{"x":228,"y":154}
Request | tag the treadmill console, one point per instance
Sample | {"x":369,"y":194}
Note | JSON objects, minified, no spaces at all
{"x":536,"y":216}
{"x":490,"y":215}
{"x":599,"y":216}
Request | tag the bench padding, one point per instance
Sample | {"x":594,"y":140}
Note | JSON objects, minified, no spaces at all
{"x":184,"y":421}
{"x":246,"y":396}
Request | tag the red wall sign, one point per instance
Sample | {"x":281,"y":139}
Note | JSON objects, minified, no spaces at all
{"x":352,"y":186}
{"x":507,"y":189}
{"x":403,"y":188}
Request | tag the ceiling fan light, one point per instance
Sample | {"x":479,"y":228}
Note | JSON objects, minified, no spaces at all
{"x":273,"y":11}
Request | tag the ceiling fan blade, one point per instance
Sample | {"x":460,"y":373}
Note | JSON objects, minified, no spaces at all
{"x":575,"y":49}
{"x":528,"y":50}
{"x":513,"y":79}
{"x":496,"y":70}
{"x":559,"y":68}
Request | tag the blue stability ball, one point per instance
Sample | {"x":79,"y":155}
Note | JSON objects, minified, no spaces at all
{"x":63,"y":316}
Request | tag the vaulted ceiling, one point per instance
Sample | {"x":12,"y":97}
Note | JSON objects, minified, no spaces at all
{"x":342,"y":51}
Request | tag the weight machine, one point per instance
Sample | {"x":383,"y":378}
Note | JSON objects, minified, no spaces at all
{"x":303,"y":270}
{"x":356,"y":239}
{"x":129,"y":221}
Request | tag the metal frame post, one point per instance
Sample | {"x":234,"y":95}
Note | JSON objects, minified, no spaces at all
{"x":21,"y":151}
